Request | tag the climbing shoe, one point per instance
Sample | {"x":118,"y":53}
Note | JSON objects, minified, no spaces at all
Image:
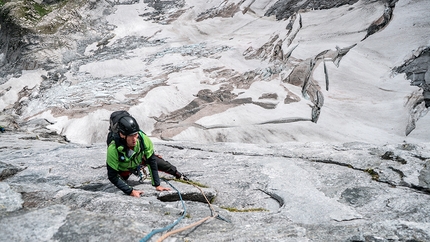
{"x":179,"y":175}
{"x":185,"y":178}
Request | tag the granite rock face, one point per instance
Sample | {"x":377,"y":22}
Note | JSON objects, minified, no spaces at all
{"x":291,"y":118}
{"x":284,"y":192}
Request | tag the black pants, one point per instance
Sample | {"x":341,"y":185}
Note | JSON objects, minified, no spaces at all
{"x":165,"y":166}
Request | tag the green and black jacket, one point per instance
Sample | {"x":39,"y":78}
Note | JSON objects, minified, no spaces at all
{"x":120,"y":158}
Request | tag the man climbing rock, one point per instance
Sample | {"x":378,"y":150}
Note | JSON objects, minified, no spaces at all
{"x":130,"y":150}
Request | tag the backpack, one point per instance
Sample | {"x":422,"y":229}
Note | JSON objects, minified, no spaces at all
{"x":113,"y":125}
{"x":113,"y":129}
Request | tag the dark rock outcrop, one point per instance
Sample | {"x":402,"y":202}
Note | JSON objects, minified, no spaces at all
{"x":284,"y":9}
{"x":417,"y":70}
{"x":12,"y":44}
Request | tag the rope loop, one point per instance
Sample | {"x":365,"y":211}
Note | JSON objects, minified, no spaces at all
{"x":156,"y":231}
{"x":213,"y":215}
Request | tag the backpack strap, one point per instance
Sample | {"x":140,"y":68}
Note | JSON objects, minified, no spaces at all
{"x":117,"y":139}
{"x":142,"y":144}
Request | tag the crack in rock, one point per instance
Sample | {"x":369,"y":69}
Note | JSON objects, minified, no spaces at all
{"x":188,"y":195}
{"x":275,"y":196}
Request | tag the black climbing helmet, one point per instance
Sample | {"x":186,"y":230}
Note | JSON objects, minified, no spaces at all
{"x":128,"y":126}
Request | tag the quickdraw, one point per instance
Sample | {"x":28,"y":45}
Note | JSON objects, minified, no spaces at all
{"x":141,"y":173}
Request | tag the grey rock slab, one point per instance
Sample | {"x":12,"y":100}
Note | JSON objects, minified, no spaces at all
{"x":34,"y":225}
{"x":10,"y":200}
{"x":304,"y":203}
{"x":81,"y":225}
{"x":274,"y":192}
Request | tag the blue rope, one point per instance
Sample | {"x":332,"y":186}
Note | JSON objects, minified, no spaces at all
{"x":156,"y":231}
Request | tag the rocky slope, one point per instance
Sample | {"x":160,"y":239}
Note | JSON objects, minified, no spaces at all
{"x":274,"y":67}
{"x":284,"y":192}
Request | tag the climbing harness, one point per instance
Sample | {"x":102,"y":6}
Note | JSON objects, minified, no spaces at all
{"x":213,"y":215}
{"x":141,"y":173}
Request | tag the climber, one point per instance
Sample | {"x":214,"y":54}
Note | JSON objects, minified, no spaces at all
{"x":2,"y":129}
{"x":130,"y":150}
